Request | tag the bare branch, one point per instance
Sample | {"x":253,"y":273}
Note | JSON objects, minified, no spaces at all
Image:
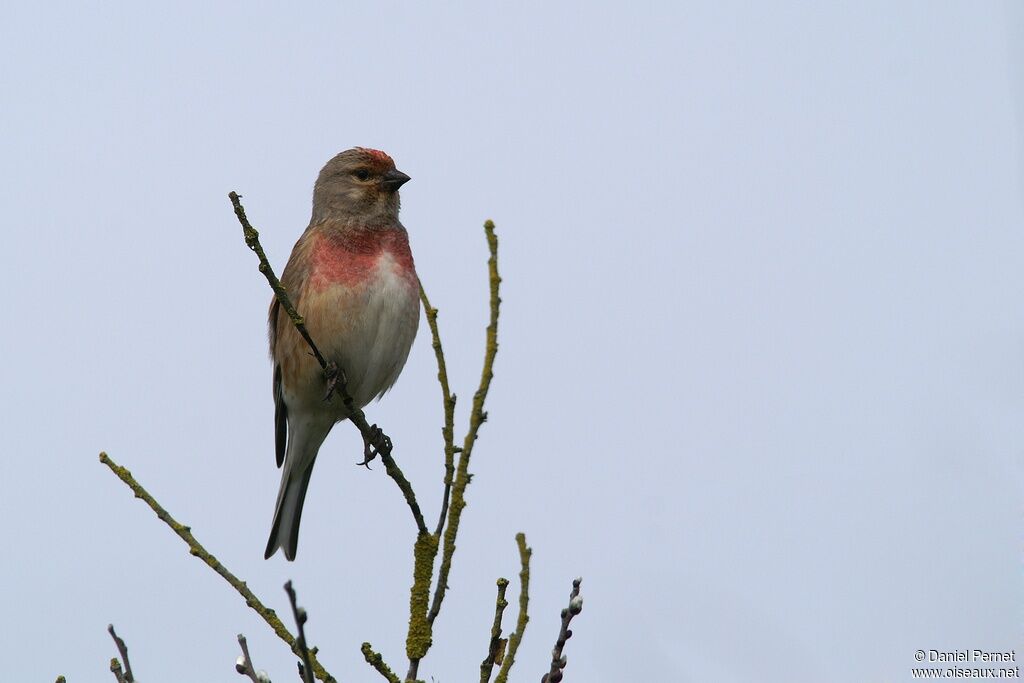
{"x":377,"y":662}
{"x":244,"y":665}
{"x":487,"y":666}
{"x":419,"y":639}
{"x":477,"y":417}
{"x":252,"y":240}
{"x":524,"y":602}
{"x":375,"y":440}
{"x":557,"y":658}
{"x":300,"y":622}
{"x":122,"y":649}
{"x":395,"y":472}
{"x":448,"y":398}
{"x":197,"y":549}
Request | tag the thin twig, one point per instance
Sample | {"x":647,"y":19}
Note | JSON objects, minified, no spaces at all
{"x":252,"y":240}
{"x":448,"y":398}
{"x":334,"y":376}
{"x":244,"y":665}
{"x":395,"y":472}
{"x":123,"y":651}
{"x":197,"y":549}
{"x":487,"y":666}
{"x":565,"y":633}
{"x":524,"y":602}
{"x":476,"y":418}
{"x":300,"y":622}
{"x":377,"y":662}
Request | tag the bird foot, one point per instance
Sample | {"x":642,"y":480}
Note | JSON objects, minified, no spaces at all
{"x":374,"y":443}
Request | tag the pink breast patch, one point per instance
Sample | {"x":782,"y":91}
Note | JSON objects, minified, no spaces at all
{"x":351,"y":259}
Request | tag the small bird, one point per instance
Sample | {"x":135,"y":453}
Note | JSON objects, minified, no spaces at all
{"x":351,"y":277}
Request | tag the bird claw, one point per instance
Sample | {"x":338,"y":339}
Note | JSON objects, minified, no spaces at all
{"x":374,"y":444}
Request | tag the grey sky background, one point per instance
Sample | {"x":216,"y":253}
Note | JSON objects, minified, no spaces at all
{"x":760,"y":379}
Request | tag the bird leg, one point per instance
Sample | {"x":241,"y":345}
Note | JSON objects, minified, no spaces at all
{"x":374,"y":443}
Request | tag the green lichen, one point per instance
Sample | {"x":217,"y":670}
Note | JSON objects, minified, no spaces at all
{"x":420,"y":633}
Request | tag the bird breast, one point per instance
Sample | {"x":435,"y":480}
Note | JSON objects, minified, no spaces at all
{"x":362,"y":310}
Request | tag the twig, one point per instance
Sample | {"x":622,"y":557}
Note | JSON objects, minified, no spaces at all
{"x":524,"y":602}
{"x":476,"y":418}
{"x":334,"y":377}
{"x":122,"y":649}
{"x":197,"y":549}
{"x":115,"y":668}
{"x":492,"y":650}
{"x":244,"y":665}
{"x":252,"y":240}
{"x":395,"y":472}
{"x":377,"y":662}
{"x":557,"y":658}
{"x":448,"y":398}
{"x":300,"y":622}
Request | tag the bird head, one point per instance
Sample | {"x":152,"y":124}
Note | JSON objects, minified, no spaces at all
{"x":358,"y":183}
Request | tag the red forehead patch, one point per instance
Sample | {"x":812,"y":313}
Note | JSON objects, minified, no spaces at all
{"x":376,"y":154}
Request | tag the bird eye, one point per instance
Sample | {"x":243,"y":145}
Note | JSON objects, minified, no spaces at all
{"x":362,"y":174}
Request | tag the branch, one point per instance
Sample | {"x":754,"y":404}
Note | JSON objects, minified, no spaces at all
{"x":524,"y":602}
{"x":300,"y":622}
{"x":487,"y":666}
{"x":448,"y":398}
{"x":334,"y":376}
{"x":252,"y":240}
{"x":244,"y":665}
{"x":420,"y":625}
{"x":557,"y":658}
{"x":196,"y":549}
{"x":122,"y":649}
{"x":377,"y":662}
{"x":476,"y":418}
{"x":395,"y":472}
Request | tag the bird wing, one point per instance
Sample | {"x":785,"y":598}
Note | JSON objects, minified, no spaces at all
{"x":292,"y":279}
{"x":280,"y":407}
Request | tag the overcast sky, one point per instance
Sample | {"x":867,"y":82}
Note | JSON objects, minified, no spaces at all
{"x":760,"y":380}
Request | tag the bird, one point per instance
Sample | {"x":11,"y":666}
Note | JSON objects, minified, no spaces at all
{"x":352,"y":278}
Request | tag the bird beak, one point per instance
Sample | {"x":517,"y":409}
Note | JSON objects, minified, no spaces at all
{"x":394,"y":179}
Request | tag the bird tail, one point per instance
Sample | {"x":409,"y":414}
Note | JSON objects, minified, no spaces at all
{"x":298,"y":468}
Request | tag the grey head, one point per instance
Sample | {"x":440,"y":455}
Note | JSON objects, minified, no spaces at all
{"x":360,"y":184}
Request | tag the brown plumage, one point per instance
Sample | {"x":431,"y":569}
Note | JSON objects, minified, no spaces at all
{"x":352,"y":278}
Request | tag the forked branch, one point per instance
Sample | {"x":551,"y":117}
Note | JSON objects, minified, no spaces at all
{"x":477,"y":417}
{"x":126,"y":676}
{"x":524,"y":601}
{"x":196,"y":548}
